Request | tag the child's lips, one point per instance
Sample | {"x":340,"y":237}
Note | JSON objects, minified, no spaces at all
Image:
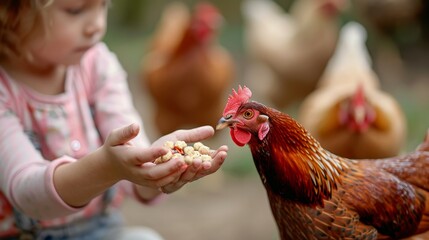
{"x":83,"y":49}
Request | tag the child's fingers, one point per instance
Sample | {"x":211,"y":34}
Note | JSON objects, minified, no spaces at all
{"x":156,"y":172}
{"x":222,"y":148}
{"x":196,"y":171}
{"x":149,"y":154}
{"x":195,"y":134}
{"x":215,"y":164}
{"x":170,"y":179}
{"x":123,"y":135}
{"x":192,"y":170}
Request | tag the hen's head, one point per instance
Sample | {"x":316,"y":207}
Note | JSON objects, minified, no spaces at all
{"x":206,"y":21}
{"x":357,"y":113}
{"x":332,"y":8}
{"x":288,"y":159}
{"x":243,"y":117}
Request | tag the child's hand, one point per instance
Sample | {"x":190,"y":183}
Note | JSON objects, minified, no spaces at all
{"x":135,"y":164}
{"x":198,"y":168}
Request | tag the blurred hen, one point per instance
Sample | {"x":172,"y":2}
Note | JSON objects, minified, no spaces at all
{"x":186,"y":71}
{"x":288,"y":52}
{"x":349,"y":114}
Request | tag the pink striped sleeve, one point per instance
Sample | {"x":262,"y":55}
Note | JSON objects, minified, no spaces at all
{"x":25,"y":176}
{"x":32,"y":190}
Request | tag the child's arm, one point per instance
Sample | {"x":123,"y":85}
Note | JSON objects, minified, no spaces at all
{"x":79,"y":182}
{"x":118,"y":159}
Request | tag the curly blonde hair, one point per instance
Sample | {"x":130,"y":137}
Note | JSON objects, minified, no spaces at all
{"x":12,"y":32}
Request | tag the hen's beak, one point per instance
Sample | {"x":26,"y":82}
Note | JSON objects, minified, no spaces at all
{"x":223,"y":123}
{"x":359,"y":114}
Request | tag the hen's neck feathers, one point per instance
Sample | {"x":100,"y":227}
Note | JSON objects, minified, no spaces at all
{"x":351,"y":52}
{"x":292,"y":163}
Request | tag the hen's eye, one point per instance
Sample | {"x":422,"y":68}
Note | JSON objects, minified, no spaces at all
{"x":248,"y":114}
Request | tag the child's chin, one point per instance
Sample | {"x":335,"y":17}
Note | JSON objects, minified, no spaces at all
{"x":74,"y":59}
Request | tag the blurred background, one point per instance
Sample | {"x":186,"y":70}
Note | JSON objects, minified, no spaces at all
{"x":231,"y":204}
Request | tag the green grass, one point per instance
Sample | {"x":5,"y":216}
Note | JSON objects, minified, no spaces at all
{"x":415,"y":104}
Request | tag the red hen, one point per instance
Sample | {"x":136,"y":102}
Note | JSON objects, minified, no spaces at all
{"x":315,"y":194}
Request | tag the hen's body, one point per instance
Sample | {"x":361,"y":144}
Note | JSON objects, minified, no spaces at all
{"x":289,"y":50}
{"x":317,"y":195}
{"x":186,"y":71}
{"x":380,"y":131}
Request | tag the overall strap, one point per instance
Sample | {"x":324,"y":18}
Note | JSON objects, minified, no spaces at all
{"x":29,"y":227}
{"x":26,"y":225}
{"x":108,"y":197}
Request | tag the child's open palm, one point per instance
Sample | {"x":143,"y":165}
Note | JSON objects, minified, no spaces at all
{"x":136,"y":164}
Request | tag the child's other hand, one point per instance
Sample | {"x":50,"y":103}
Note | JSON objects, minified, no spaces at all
{"x":198,"y":168}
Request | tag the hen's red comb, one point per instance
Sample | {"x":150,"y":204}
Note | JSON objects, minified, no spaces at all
{"x":236,"y":99}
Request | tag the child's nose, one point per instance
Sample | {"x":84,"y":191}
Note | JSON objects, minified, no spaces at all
{"x":96,"y":24}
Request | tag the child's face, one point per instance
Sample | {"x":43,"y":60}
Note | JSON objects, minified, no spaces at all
{"x":73,"y":26}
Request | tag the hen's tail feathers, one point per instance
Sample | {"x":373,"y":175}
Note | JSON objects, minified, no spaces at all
{"x":424,"y":146}
{"x":424,"y":222}
{"x":412,"y":168}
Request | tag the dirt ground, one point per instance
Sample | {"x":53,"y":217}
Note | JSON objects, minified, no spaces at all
{"x":236,"y":210}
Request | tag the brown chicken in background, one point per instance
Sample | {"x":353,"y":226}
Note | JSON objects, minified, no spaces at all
{"x":186,"y":71}
{"x":315,"y":194}
{"x":349,"y":114}
{"x":288,"y":51}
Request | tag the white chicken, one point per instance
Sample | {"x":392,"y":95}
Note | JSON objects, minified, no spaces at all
{"x":288,"y":52}
{"x":348,"y":113}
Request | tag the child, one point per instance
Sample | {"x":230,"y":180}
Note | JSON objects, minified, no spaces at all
{"x":70,"y":140}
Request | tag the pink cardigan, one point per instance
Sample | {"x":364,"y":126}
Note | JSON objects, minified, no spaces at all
{"x":39,"y":132}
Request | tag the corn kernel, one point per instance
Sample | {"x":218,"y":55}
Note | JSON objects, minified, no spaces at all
{"x":158,"y":160}
{"x":188,"y":150}
{"x":188,"y":159}
{"x":196,"y":154}
{"x":197,"y":145}
{"x":180,"y":144}
{"x":177,"y":155}
{"x":166,"y":157}
{"x":205,"y":158}
{"x":169,"y":144}
{"x":204,"y":150}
